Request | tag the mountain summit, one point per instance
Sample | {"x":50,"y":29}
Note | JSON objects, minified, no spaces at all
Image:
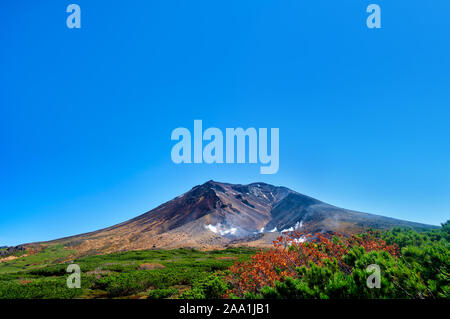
{"x":214,"y":215}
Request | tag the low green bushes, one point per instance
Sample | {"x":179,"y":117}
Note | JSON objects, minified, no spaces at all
{"x":211,"y":287}
{"x":54,"y":288}
{"x":162,"y":293}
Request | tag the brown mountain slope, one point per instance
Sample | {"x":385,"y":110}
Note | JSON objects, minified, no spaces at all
{"x":214,"y":215}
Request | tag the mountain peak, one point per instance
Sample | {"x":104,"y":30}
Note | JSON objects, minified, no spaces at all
{"x":216,"y":214}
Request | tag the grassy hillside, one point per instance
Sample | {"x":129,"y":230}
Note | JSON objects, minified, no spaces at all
{"x":412,"y":265}
{"x":51,"y":255}
{"x":135,"y":274}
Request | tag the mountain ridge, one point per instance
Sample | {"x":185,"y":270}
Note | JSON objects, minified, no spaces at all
{"x":216,"y":215}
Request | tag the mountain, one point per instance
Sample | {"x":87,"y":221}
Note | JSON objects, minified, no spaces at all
{"x":215,"y":215}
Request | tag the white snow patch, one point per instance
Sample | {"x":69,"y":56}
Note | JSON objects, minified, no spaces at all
{"x":220,"y":229}
{"x":288,"y":229}
{"x":300,"y":240}
{"x":261,"y":230}
{"x":211,"y":228}
{"x":292,"y":228}
{"x":273,"y":230}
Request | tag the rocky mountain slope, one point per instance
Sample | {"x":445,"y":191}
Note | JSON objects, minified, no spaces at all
{"x":215,"y":215}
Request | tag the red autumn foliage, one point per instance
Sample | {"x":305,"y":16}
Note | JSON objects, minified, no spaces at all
{"x":295,"y":250}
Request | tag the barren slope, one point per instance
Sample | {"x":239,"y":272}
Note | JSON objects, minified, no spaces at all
{"x":215,"y":215}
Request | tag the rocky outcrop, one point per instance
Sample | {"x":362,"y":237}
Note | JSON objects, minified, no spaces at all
{"x":11,"y":250}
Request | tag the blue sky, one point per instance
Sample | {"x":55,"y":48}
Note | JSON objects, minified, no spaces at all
{"x":86,"y":115}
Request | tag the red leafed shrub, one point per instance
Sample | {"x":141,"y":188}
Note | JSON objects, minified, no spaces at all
{"x":298,"y":249}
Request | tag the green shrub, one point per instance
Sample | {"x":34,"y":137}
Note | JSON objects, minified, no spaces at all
{"x":212,"y":287}
{"x":162,"y":293}
{"x":38,"y":289}
{"x":421,"y":271}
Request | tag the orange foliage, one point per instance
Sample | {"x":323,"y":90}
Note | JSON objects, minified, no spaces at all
{"x":295,"y":250}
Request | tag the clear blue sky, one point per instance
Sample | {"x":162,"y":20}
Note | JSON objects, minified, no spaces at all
{"x":86,"y":115}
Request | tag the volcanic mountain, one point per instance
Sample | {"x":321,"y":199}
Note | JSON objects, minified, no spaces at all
{"x":215,"y":215}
